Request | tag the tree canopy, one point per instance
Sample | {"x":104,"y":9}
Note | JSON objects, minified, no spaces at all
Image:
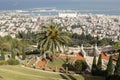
{"x":52,"y":38}
{"x":109,"y":70}
{"x":117,"y":67}
{"x":80,"y":65}
{"x":94,"y":66}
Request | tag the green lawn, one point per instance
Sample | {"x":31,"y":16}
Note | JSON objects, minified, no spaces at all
{"x":58,"y":63}
{"x":21,"y":73}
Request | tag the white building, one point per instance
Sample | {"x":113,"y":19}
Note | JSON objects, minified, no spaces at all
{"x":67,"y":15}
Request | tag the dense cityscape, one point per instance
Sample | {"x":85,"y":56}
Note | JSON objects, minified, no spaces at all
{"x":103,"y":26}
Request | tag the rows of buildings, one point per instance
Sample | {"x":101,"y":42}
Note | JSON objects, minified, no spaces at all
{"x":103,"y":26}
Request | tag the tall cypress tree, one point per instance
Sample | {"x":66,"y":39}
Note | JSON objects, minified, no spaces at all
{"x":99,"y":64}
{"x":12,"y":54}
{"x":93,"y":70}
{"x":23,"y":50}
{"x":23,"y":56}
{"x":109,"y":70}
{"x":2,"y":55}
{"x":117,"y":67}
{"x":12,"y":50}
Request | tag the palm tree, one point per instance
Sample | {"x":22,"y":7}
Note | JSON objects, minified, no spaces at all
{"x":52,"y":38}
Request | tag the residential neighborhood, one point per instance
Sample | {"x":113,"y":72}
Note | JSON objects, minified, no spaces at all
{"x":103,"y":26}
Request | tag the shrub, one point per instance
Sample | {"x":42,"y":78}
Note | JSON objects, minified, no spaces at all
{"x":32,"y":52}
{"x":113,"y":77}
{"x":70,"y":66}
{"x":2,"y":55}
{"x":101,"y":73}
{"x":3,"y":62}
{"x":23,"y":56}
{"x":80,"y":65}
{"x":12,"y":61}
{"x":12,"y":55}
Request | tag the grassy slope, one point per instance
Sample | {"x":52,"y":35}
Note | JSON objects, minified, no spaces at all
{"x":20,"y":73}
{"x":57,"y":63}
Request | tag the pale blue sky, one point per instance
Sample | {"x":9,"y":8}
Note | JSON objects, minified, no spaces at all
{"x":61,"y":4}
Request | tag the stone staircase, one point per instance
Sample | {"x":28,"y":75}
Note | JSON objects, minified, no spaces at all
{"x":32,"y":61}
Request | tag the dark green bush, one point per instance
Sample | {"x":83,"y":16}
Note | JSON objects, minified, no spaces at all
{"x":69,"y":65}
{"x":12,"y":61}
{"x":3,"y":62}
{"x":23,"y":56}
{"x":101,"y":73}
{"x":2,"y":55}
{"x":94,"y":78}
{"x":113,"y":77}
{"x":80,"y":65}
{"x":32,"y":52}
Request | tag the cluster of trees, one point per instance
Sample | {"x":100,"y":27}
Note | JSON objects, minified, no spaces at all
{"x":29,"y":37}
{"x":89,"y":40}
{"x":8,"y":44}
{"x":86,"y":39}
{"x":11,"y":59}
{"x":105,"y":41}
{"x":82,"y":39}
{"x":79,"y":66}
{"x":13,"y":46}
{"x":111,"y":73}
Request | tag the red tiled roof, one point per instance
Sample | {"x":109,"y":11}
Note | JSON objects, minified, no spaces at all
{"x":79,"y":56}
{"x":104,"y":56}
{"x":42,"y":63}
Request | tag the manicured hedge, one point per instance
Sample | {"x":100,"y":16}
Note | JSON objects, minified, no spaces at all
{"x":12,"y":61}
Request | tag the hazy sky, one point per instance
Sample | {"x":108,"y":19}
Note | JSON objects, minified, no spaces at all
{"x":67,"y":4}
